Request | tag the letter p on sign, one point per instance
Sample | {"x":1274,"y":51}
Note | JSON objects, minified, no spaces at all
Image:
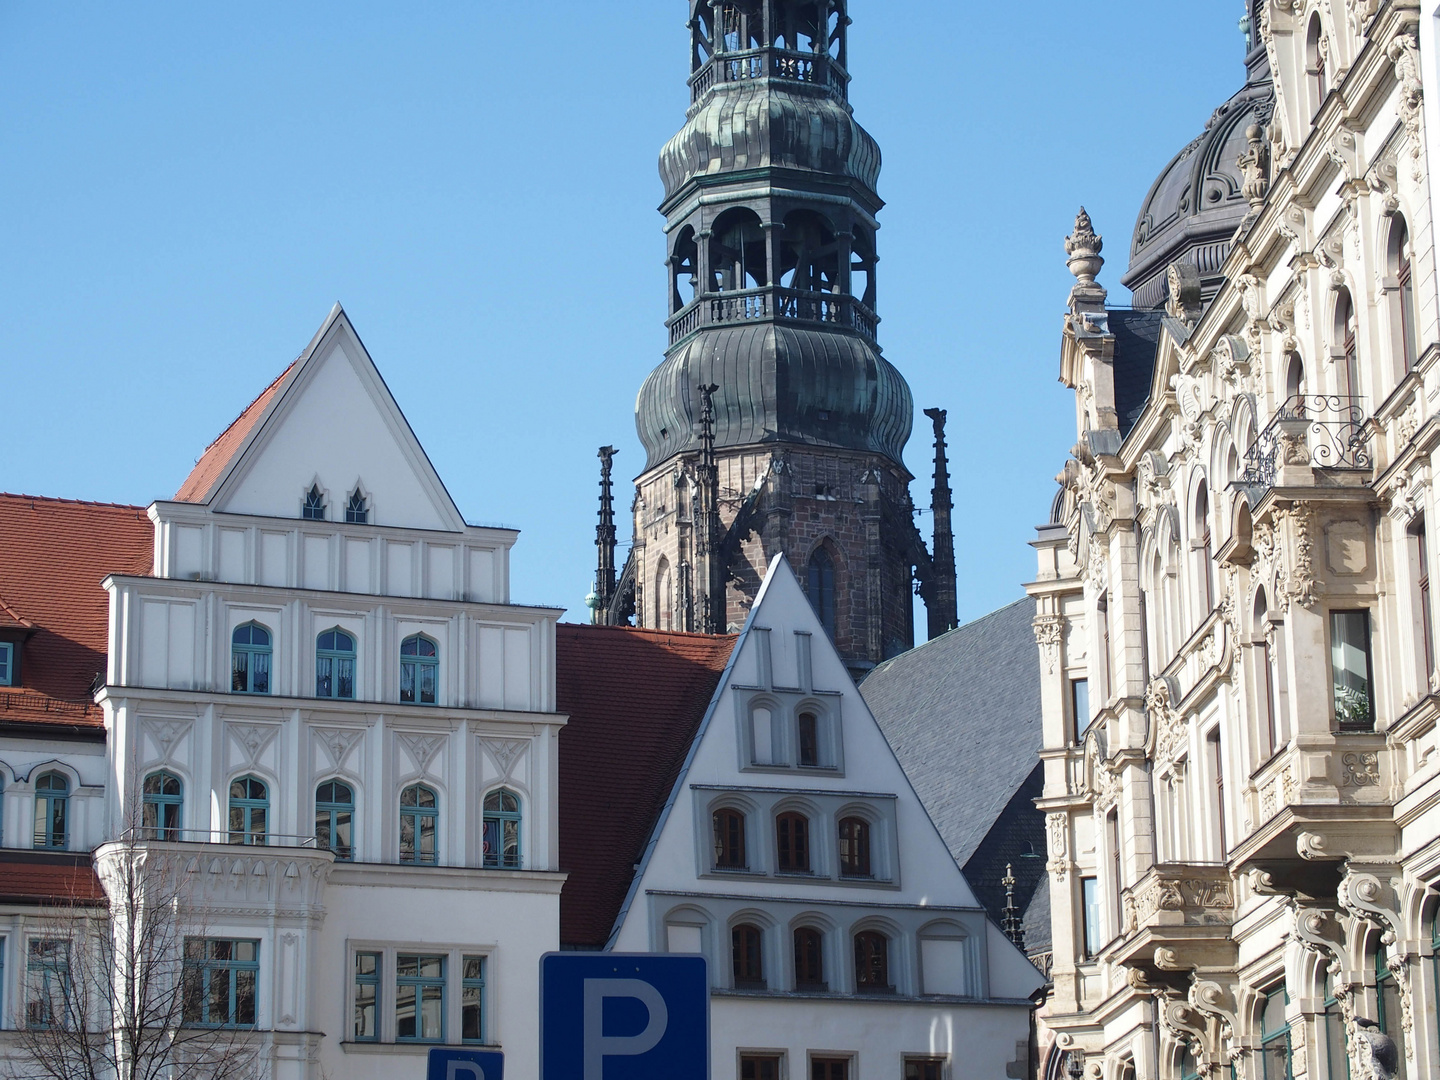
{"x":614,"y":1016}
{"x":448,"y":1064}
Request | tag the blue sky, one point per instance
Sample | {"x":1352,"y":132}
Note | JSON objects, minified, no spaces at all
{"x":187,"y":188}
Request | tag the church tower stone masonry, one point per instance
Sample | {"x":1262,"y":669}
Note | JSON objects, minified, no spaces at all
{"x":774,"y":424}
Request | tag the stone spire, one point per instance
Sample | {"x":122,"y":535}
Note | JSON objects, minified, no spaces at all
{"x":599,"y":600}
{"x":941,"y":605}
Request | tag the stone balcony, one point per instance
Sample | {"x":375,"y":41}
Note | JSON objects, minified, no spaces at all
{"x":1177,"y":918}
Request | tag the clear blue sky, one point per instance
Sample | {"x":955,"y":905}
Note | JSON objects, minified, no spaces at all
{"x":187,"y":188}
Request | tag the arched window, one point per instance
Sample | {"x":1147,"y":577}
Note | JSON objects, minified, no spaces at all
{"x":1337,"y":1061}
{"x":684,"y":270}
{"x":334,"y":819}
{"x":729,"y":839}
{"x":419,"y":825}
{"x":854,"y":847}
{"x":161,"y":806}
{"x":249,"y":810}
{"x":792,"y":843}
{"x":1387,"y":996}
{"x":314,"y":507}
{"x":872,"y":963}
{"x":1275,"y":1037}
{"x":1294,"y":379}
{"x":820,"y":587}
{"x":747,"y":957}
{"x":502,"y":830}
{"x":357,"y":510}
{"x":250,"y":659}
{"x":809,"y":959}
{"x":809,"y":257}
{"x":1347,"y":338}
{"x":1204,"y":549}
{"x":808,"y":739}
{"x":738,"y":259}
{"x":419,"y":670}
{"x":1315,"y":57}
{"x":52,"y":811}
{"x":335,"y":665}
{"x":1401,"y":268}
{"x":664,"y":597}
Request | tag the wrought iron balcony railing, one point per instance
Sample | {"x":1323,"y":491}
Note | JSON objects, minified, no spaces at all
{"x":1322,"y":431}
{"x":816,"y":69}
{"x":793,"y":305}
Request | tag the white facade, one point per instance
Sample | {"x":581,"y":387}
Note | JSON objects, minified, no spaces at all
{"x":302,"y":718}
{"x":787,"y":733}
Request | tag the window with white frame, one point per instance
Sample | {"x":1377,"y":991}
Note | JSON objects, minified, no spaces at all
{"x":8,"y":669}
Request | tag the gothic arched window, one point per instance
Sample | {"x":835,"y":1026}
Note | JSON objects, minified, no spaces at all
{"x":334,"y":819}
{"x":357,"y":510}
{"x":161,"y":803}
{"x":501,"y":830}
{"x":419,"y":670}
{"x":820,"y":587}
{"x":314,"y":507}
{"x":664,"y":597}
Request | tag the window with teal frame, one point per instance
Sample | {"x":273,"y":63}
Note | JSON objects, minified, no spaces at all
{"x":419,"y":670}
{"x":1275,"y":1037}
{"x":335,"y":819}
{"x":419,"y":998}
{"x":1387,"y":996}
{"x":419,"y":825}
{"x":502,"y":830}
{"x":250,"y":660}
{"x":162,"y":804}
{"x":1337,"y":1058}
{"x":220,"y":979}
{"x":7,"y":663}
{"x":52,"y":812}
{"x":335,"y":665}
{"x":367,"y":997}
{"x":472,"y":1000}
{"x":249,"y":810}
{"x":47,"y":984}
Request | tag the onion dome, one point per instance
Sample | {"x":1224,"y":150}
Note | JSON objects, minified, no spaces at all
{"x":778,"y":384}
{"x":758,"y":124}
{"x":1199,"y":200}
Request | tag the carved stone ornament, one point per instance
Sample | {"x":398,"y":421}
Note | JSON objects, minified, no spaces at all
{"x":1170,"y":728}
{"x":1360,"y":770}
{"x":1300,"y":585}
{"x":1404,"y":53}
{"x":1057,"y":832}
{"x":422,"y":748}
{"x":1254,"y":167}
{"x":166,"y":734}
{"x":1083,"y":246}
{"x":338,"y":743}
{"x":1231,"y":357}
{"x":252,"y":739}
{"x":1049,"y":631}
{"x":1383,"y":180}
{"x":504,"y":752}
{"x":1369,"y":900}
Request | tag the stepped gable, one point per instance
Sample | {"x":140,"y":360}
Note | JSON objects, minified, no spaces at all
{"x":635,"y":699}
{"x":57,"y":552}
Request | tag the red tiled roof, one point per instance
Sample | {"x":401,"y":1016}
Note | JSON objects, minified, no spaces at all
{"x":56,"y":554}
{"x":635,"y":699}
{"x":222,"y":451}
{"x":28,"y":877}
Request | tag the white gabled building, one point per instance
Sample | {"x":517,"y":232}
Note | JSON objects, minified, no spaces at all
{"x":843,"y":940}
{"x":320,"y":698}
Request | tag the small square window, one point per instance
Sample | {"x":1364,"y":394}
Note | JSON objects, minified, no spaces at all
{"x":924,"y":1068}
{"x":7,"y":663}
{"x":759,"y":1067}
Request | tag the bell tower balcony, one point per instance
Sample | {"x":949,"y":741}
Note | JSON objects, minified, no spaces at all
{"x":772,"y":304}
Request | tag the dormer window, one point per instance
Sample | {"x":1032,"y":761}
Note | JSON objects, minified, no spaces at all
{"x":314,"y":508}
{"x":356,"y":510}
{"x":7,"y":664}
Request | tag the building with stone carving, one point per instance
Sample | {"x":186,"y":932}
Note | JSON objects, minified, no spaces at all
{"x":775,"y":425}
{"x":1234,"y":608}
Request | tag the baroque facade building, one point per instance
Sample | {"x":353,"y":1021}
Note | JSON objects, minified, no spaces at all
{"x":1233,"y":607}
{"x":775,"y":425}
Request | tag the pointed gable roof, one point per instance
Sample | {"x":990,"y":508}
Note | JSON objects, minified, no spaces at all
{"x":221,"y":454}
{"x":635,"y":699}
{"x":220,"y":474}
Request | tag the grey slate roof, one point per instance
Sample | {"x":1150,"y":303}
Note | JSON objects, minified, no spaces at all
{"x":962,"y":713}
{"x":1137,"y":340}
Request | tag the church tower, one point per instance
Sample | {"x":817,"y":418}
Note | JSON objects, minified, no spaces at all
{"x":774,"y":424}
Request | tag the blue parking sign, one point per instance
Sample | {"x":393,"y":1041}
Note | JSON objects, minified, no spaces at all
{"x":624,"y":1016}
{"x":450,"y":1064}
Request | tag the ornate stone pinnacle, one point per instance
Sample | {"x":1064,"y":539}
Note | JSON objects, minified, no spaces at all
{"x":1084,"y":247}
